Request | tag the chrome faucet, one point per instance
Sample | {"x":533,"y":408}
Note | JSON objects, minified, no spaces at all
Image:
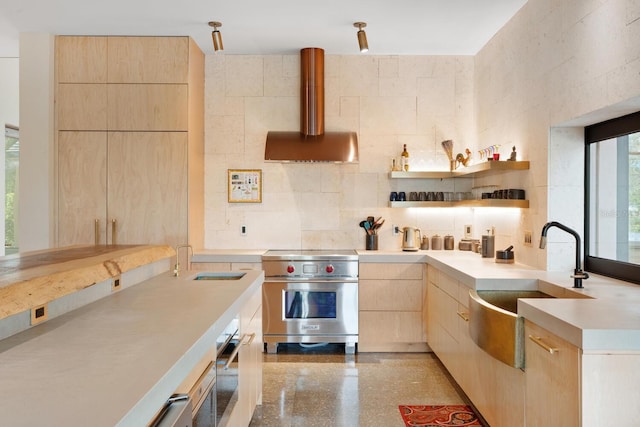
{"x":578,"y":274}
{"x":176,"y":268}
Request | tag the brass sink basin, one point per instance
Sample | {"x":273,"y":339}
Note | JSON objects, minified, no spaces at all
{"x":495,"y":326}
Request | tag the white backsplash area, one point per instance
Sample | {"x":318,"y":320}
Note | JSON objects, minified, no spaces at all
{"x":388,"y":100}
{"x":555,"y":67}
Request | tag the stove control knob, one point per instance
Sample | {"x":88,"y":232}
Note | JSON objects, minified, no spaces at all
{"x":290,"y":269}
{"x":329,"y":268}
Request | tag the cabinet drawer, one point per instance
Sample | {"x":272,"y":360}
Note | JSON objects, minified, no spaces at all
{"x":376,"y":327}
{"x":390,"y":271}
{"x":82,"y":106}
{"x":448,"y":284}
{"x":147,"y":107}
{"x":400,"y":295}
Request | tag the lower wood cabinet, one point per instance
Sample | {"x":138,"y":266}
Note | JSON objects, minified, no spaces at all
{"x":392,"y":307}
{"x":552,"y":379}
{"x":570,"y":387}
{"x":249,"y":363}
{"x":495,"y":389}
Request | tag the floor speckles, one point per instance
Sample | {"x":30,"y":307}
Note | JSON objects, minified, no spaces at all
{"x":317,"y":388}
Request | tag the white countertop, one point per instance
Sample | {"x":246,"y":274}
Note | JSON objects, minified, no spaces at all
{"x":115,"y":361}
{"x":606,"y":318}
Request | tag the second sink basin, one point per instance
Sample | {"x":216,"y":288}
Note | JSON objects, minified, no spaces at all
{"x":220,"y":275}
{"x":495,"y":326}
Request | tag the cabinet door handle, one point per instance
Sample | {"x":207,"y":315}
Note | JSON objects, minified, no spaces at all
{"x":465,"y":316}
{"x":113,"y":231}
{"x":252,"y":336}
{"x":96,"y":231}
{"x":545,"y":346}
{"x":237,"y":349}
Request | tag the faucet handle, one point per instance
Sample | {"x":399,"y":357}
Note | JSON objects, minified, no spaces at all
{"x":579,"y":274}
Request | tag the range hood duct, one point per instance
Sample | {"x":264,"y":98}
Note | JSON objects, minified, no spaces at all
{"x":311,"y":144}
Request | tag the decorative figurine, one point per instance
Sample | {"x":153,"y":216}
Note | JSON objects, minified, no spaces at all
{"x":513,"y":154}
{"x":462,"y":160}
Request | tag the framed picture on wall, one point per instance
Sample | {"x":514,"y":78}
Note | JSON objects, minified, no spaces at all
{"x":244,"y":185}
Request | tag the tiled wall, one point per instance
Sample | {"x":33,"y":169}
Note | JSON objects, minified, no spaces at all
{"x":553,"y":68}
{"x":388,"y":100}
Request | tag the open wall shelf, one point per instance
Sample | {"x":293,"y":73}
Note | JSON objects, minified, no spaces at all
{"x":471,"y":171}
{"x":484,"y":168}
{"x":484,"y":203}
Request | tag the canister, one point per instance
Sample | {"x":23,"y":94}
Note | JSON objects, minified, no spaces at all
{"x":436,"y":242}
{"x":488,"y":246}
{"x":448,"y":243}
{"x":424,"y":245}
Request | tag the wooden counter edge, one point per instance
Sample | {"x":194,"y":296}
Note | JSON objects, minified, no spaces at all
{"x":52,"y":282}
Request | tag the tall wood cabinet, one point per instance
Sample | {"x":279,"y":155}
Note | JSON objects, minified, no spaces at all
{"x":130,"y":140}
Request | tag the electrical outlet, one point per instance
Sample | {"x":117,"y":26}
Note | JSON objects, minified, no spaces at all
{"x":115,"y":283}
{"x":396,"y":230}
{"x":243,"y":230}
{"x":528,"y":241}
{"x":468,"y":231}
{"x":39,"y":314}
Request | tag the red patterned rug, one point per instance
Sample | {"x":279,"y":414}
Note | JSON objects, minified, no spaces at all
{"x":438,"y":415}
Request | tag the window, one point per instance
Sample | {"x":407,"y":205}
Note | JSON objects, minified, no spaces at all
{"x":12,"y":156}
{"x":612,"y":235}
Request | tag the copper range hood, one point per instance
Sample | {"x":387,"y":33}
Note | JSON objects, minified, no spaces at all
{"x":312,"y":143}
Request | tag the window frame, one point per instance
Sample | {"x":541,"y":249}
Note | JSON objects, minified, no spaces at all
{"x":597,"y":132}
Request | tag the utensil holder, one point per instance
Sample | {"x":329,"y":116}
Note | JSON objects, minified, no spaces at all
{"x":371,"y":242}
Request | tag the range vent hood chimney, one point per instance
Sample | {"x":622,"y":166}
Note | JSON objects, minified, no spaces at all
{"x":311,"y":144}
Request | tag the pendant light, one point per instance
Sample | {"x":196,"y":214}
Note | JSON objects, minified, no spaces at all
{"x":362,"y":36}
{"x":216,"y":36}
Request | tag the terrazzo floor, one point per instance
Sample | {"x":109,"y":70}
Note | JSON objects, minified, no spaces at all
{"x":324,"y":387}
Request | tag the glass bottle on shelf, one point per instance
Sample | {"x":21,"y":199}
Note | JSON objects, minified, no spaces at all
{"x":405,"y":158}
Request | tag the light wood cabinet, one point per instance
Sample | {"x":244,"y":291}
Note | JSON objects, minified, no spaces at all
{"x":552,"y":379}
{"x":249,"y":363}
{"x":148,"y":59}
{"x":496,"y":390}
{"x":82,"y":189}
{"x":142,"y":164}
{"x":81,"y":106}
{"x":81,"y":59}
{"x":147,"y":186}
{"x":571,"y":387}
{"x":392,"y":305}
{"x":147,"y":107}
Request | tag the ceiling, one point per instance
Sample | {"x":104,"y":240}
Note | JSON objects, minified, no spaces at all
{"x":400,"y":27}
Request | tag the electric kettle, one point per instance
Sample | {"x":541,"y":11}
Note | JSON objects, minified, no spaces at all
{"x":411,"y":239}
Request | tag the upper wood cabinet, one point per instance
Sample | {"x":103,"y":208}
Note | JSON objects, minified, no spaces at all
{"x":81,"y":106}
{"x":148,"y":59}
{"x":81,"y":59}
{"x":95,"y":59}
{"x":147,"y":107}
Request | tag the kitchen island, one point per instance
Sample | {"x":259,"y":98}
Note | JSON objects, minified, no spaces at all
{"x":116,"y":360}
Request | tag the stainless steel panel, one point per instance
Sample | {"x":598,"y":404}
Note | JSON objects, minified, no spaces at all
{"x":274,"y":316}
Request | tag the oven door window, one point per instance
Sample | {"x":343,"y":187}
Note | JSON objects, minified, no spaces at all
{"x":310,"y":304}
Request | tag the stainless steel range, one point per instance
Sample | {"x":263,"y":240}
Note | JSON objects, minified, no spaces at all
{"x":310,"y":296}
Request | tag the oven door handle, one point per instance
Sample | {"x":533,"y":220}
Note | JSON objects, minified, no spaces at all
{"x":233,"y":355}
{"x":309,"y":281}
